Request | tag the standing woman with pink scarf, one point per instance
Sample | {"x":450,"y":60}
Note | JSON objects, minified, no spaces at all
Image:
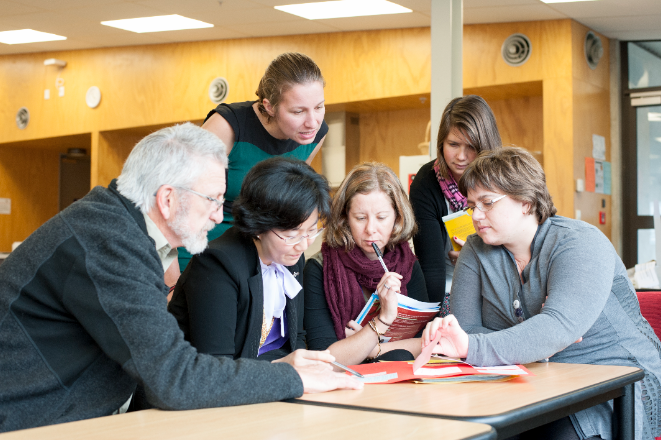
{"x":369,"y":208}
{"x":467,"y":127}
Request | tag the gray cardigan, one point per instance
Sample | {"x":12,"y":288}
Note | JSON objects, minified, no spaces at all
{"x":83,"y":319}
{"x":589,"y":295}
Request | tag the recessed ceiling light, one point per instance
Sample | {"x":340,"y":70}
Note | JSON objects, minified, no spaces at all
{"x":343,"y":8}
{"x":566,"y":1}
{"x":157,"y":24}
{"x":27,"y":36}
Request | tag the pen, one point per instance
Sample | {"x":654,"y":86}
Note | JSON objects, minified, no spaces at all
{"x":378,"y":254}
{"x":355,"y":373}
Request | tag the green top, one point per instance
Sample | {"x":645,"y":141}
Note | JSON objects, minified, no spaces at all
{"x":252,"y":144}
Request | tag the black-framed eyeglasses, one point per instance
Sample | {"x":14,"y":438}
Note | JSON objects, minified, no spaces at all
{"x":484,"y":206}
{"x":292,"y":241}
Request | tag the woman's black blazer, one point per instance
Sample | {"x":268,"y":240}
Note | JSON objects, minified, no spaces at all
{"x":219,"y":301}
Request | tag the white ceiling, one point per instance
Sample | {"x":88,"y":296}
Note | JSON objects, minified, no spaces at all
{"x":79,"y":20}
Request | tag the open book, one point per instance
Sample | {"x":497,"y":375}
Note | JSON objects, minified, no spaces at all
{"x":412,"y":316}
{"x":458,"y":224}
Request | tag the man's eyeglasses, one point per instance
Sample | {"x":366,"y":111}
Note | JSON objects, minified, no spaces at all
{"x":219,"y":201}
{"x":484,"y":206}
{"x":292,"y":241}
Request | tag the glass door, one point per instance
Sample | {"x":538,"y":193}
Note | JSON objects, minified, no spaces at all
{"x":641,"y":149}
{"x":648,"y":175}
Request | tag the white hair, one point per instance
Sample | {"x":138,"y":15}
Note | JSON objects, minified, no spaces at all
{"x":176,"y":156}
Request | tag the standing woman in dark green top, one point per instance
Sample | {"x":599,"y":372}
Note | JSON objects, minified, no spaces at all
{"x":286,"y":120}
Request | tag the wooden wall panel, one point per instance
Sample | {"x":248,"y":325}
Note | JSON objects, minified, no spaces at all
{"x":521,"y":123}
{"x":484,"y":65}
{"x":30,"y":178}
{"x":384,"y":136}
{"x":590,"y":105}
{"x":163,"y":84}
{"x":558,"y":143}
{"x":600,"y":76}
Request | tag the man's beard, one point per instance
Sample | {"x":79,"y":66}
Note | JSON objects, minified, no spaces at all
{"x":194,"y":243}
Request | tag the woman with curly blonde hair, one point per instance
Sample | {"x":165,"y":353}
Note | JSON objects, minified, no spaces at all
{"x":370,"y":207}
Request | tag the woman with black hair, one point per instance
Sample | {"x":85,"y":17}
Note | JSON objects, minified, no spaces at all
{"x":242,"y":297}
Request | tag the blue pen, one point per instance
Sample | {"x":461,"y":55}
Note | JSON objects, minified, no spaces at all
{"x":378,"y":254}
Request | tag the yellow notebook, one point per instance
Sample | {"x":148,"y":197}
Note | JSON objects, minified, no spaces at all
{"x":460,"y":225}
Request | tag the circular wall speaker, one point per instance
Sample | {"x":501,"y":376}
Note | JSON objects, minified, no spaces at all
{"x":516,"y":49}
{"x":593,"y":49}
{"x":218,"y":90}
{"x":22,"y":118}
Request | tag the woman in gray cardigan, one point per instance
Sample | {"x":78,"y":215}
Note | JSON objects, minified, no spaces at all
{"x":531,"y":285}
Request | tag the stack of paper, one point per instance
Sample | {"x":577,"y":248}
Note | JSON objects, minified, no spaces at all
{"x":444,"y":371}
{"x":412,"y":316}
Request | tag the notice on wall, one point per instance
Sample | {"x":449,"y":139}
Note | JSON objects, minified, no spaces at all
{"x":607,"y":178}
{"x":598,"y":147}
{"x":589,"y":174}
{"x":597,"y":176}
{"x":5,"y":206}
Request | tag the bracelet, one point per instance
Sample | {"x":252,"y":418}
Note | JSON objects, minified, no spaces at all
{"x":372,"y":325}
{"x":381,"y":321}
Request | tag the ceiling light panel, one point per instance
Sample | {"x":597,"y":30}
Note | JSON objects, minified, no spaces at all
{"x":343,"y":9}
{"x":27,"y":36}
{"x":160,"y":23}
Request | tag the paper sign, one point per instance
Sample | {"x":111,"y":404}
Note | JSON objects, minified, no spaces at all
{"x":589,"y":174}
{"x":607,"y":178}
{"x":599,"y":177}
{"x":598,"y":147}
{"x":5,"y":206}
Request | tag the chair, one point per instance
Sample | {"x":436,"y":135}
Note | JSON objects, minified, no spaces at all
{"x":650,"y":307}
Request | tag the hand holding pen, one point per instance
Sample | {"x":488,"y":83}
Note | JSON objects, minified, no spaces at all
{"x":387,"y":288}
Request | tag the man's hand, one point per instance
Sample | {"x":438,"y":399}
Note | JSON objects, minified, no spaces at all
{"x":316,"y":360}
{"x":315,"y":381}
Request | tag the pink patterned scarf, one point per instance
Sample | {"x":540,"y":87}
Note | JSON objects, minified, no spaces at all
{"x":450,"y":189}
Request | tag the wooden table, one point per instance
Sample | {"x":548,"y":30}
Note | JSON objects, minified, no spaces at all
{"x":556,"y":390}
{"x":267,"y":420}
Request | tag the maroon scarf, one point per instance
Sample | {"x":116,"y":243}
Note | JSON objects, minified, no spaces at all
{"x":346,"y":272}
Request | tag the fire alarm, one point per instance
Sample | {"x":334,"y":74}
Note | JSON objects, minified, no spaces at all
{"x":602,"y":218}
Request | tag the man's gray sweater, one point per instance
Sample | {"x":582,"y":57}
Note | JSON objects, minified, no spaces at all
{"x":83,"y":319}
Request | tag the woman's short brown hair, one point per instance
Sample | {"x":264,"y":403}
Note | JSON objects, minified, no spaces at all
{"x":512,"y":171}
{"x":363,"y":179}
{"x":471,"y":115}
{"x":285,"y":71}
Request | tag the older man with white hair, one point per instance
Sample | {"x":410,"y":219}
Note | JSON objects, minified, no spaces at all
{"x":83,"y":314}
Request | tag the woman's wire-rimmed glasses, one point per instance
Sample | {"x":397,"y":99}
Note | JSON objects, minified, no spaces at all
{"x":292,"y":241}
{"x":484,"y":206}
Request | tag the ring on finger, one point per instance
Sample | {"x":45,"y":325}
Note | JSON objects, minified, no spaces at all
{"x":386,"y":286}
